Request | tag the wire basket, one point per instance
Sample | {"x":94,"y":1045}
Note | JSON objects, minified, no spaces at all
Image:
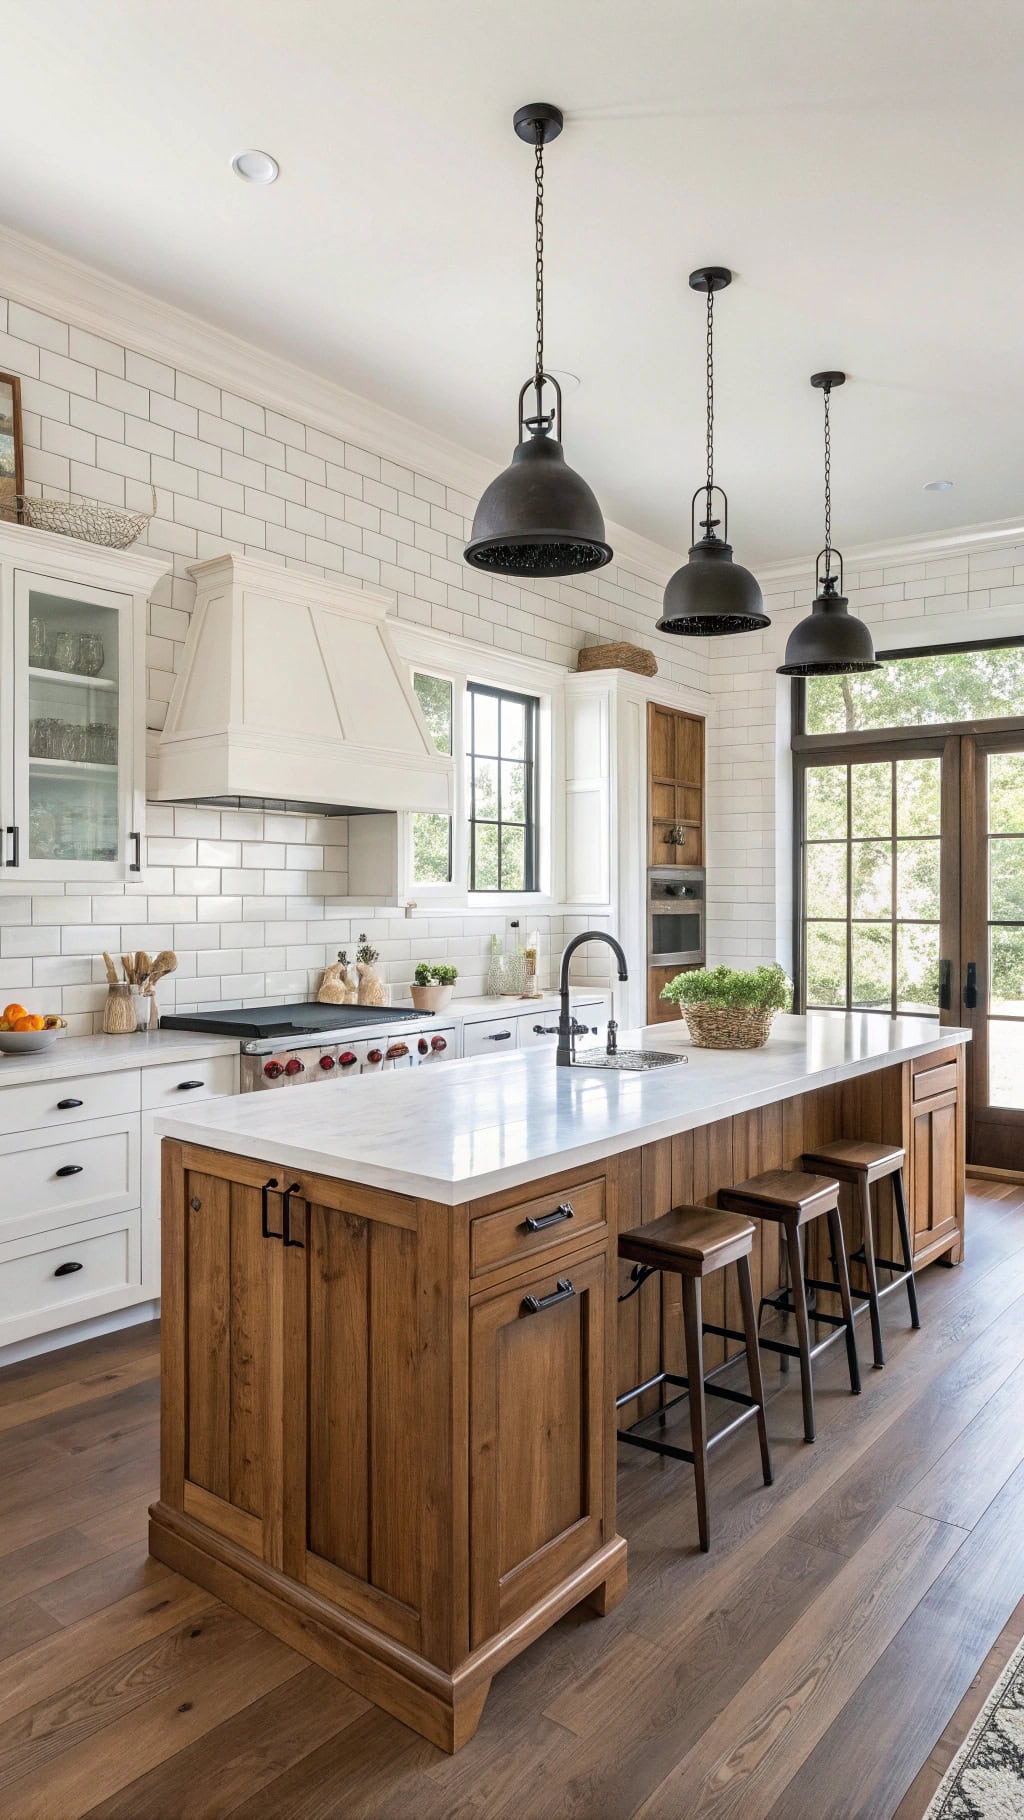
{"x":86,"y":519}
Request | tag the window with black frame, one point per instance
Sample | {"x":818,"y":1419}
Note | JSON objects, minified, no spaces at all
{"x":501,"y":765}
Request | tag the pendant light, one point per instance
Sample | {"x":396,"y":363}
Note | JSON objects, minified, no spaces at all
{"x":830,"y":642}
{"x":538,"y":518}
{"x":711,"y":595}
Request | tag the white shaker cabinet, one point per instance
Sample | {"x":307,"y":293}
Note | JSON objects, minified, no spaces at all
{"x":72,"y":707}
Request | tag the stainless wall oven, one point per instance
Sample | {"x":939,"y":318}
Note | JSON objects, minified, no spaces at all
{"x":675,"y":916}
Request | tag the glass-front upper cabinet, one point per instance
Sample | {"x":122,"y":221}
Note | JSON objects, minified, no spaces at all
{"x":78,"y":755}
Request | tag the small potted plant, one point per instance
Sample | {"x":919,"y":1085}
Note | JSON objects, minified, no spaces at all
{"x":725,"y":1009}
{"x":433,"y":985}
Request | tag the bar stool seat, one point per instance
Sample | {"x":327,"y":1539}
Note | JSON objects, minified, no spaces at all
{"x":693,"y":1242}
{"x":793,"y":1198}
{"x":860,"y":1163}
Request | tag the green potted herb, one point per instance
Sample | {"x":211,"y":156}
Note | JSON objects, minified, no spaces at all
{"x":434,"y":983}
{"x":725,"y":1009}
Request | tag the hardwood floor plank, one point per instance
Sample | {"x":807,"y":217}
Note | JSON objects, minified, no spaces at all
{"x":69,"y":1366}
{"x":23,"y":1623}
{"x":925,"y":1784}
{"x":60,"y":1398}
{"x":36,"y":1564}
{"x":964,"y":1480}
{"x":101,"y":1583}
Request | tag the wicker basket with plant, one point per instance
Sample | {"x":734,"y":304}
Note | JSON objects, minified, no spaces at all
{"x":729,"y":1010}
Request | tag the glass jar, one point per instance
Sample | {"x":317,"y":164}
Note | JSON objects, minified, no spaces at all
{"x":91,"y":655}
{"x":73,"y":742}
{"x":65,"y":652}
{"x":38,"y":642}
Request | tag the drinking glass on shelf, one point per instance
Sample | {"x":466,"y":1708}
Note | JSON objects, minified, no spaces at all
{"x":91,"y":655}
{"x":65,"y":652}
{"x":73,"y":742}
{"x":38,"y":643}
{"x":109,"y":744}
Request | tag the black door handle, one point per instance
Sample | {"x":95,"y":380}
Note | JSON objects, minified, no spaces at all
{"x":15,"y":834}
{"x":532,"y":1304}
{"x":66,"y":1105}
{"x":70,"y":1169}
{"x":535,"y":1224}
{"x":135,"y":865}
{"x":183,"y":1086}
{"x":945,"y":985}
{"x":286,"y":1218}
{"x":265,"y":1210}
{"x":971,"y":986}
{"x":67,"y":1270}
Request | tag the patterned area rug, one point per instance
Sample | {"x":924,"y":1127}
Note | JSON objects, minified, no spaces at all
{"x":985,"y":1780}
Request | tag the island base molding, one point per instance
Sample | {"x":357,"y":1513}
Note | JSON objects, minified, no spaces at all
{"x":444,"y":1708}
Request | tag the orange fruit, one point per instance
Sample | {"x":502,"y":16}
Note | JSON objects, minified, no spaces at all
{"x":13,"y":1011}
{"x":29,"y":1021}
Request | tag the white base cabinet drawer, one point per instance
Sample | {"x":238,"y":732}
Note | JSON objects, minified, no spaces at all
{"x":51,"y":1105}
{"x":49,"y":1180}
{"x":494,"y":1036}
{"x":70,"y":1274}
{"x":179,"y":1083}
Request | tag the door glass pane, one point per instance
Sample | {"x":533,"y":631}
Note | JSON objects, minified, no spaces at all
{"x":1005,"y":1062}
{"x":917,"y":968}
{"x":826,"y":879}
{"x":73,"y":707}
{"x":919,"y":796}
{"x":1006,"y":969}
{"x":871,"y":966}
{"x":871,"y":799}
{"x":920,"y":691}
{"x":917,"y":879}
{"x":1006,"y":793}
{"x":826,"y":802}
{"x":826,"y":964}
{"x":1006,"y":878}
{"x":871,"y":861}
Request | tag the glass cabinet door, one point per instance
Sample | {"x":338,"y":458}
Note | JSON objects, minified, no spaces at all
{"x":74,"y":735}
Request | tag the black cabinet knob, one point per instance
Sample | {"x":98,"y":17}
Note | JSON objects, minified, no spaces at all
{"x":70,"y":1169}
{"x":67,"y":1270}
{"x":67,"y":1105}
{"x":183,"y":1086}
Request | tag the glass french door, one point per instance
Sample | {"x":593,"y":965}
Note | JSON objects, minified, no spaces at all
{"x":74,"y":736}
{"x":993,"y":946}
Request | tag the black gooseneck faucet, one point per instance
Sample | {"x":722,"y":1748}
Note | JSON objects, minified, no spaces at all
{"x":568,"y":1028}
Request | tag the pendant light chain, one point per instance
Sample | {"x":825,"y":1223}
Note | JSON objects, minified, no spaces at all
{"x":710,"y":400}
{"x":538,"y":227}
{"x":828,"y":483}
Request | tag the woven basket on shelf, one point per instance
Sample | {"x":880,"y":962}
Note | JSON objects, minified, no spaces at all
{"x":728,"y":1026}
{"x":621,"y":656}
{"x":87,"y":519}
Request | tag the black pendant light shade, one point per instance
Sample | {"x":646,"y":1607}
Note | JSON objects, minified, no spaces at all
{"x":538,"y":517}
{"x":830,"y":642}
{"x":711,"y":595}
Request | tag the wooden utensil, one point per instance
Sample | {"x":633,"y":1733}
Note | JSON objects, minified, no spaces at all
{"x":166,"y":961}
{"x":142,"y":964}
{"x":129,"y":969}
{"x":111,"y":969}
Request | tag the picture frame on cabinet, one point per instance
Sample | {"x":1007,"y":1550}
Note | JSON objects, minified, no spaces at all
{"x":12,"y":454}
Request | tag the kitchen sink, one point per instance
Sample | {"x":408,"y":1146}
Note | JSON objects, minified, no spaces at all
{"x":628,"y":1061}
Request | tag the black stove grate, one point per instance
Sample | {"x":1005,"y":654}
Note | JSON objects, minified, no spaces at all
{"x":288,"y":1020}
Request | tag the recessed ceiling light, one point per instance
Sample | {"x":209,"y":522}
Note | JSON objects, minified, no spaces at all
{"x":255,"y":167}
{"x":937,"y":486}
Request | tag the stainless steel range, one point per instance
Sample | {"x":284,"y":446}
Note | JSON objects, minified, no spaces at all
{"x":292,"y":1045}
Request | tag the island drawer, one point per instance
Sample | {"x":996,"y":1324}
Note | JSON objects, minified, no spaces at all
{"x":543,"y":1223}
{"x":930,"y":1081}
{"x":50,"y":1104}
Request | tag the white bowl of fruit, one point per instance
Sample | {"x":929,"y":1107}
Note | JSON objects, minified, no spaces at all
{"x":22,"y":1031}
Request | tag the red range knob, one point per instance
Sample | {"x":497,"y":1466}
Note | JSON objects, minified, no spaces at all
{"x":272,"y":1070}
{"x":294,"y":1066}
{"x":423,"y":1046}
{"x":327,"y":1063}
{"x":347,"y":1059}
{"x":374,"y":1055}
{"x":394,"y":1050}
{"x":437,"y":1043}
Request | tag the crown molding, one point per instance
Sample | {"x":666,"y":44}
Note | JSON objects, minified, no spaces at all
{"x":930,"y":547}
{"x":50,"y":281}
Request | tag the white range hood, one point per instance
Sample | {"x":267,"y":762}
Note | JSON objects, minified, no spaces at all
{"x":291,"y":692}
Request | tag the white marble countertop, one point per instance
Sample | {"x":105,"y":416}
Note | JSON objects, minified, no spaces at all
{"x":100,"y":1054}
{"x":473,"y":1009}
{"x":468,"y":1128}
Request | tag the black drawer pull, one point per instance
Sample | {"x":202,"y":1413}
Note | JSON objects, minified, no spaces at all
{"x":70,"y":1169}
{"x":67,"y":1270}
{"x":532,"y":1304}
{"x":67,"y":1105}
{"x":265,"y":1209}
{"x":498,"y":1036}
{"x":183,"y":1086}
{"x":533,"y":1223}
{"x":287,"y":1216}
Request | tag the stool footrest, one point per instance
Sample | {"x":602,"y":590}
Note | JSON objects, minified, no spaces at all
{"x":648,"y":1442}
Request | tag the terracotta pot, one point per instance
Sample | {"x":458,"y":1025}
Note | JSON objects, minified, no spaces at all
{"x":431,"y":998}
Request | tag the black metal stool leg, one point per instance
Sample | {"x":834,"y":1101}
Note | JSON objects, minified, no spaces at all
{"x":693,"y":1333}
{"x":835,"y":1233}
{"x":874,"y":1307}
{"x":754,"y":1362}
{"x":799,"y":1293}
{"x":899,"y":1196}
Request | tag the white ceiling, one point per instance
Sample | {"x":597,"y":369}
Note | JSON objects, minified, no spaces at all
{"x":858,"y":165}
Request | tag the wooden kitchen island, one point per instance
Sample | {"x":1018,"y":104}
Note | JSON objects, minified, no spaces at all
{"x":391,"y":1339}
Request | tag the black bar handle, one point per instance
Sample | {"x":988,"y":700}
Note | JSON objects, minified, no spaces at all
{"x":67,"y":1270}
{"x":287,"y":1216}
{"x":135,"y":865}
{"x":70,"y":1169}
{"x":533,"y":1223}
{"x":15,"y":834}
{"x":532,"y":1304}
{"x":545,"y":1029}
{"x":945,"y":985}
{"x":498,"y":1036}
{"x":265,"y":1210}
{"x":971,"y":986}
{"x":67,"y":1105}
{"x":183,"y":1086}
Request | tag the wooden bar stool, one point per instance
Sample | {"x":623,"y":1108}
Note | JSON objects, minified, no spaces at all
{"x":693,"y":1242}
{"x":793,"y":1200}
{"x":860,"y":1164}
